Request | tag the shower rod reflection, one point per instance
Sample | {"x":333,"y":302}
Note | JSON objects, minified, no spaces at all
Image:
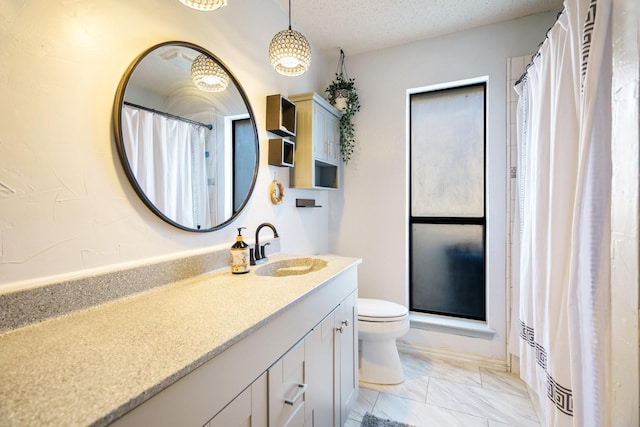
{"x":162,"y":113}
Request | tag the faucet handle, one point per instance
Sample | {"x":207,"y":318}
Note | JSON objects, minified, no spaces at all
{"x":262,"y":252}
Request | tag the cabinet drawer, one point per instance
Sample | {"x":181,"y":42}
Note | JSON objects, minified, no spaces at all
{"x":287,"y":389}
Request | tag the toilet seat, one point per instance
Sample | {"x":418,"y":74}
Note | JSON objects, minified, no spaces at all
{"x":373,"y":310}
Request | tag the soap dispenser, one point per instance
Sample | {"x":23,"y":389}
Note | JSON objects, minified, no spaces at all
{"x":239,"y":255}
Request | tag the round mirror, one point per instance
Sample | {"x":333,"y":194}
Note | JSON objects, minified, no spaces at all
{"x":186,"y":136}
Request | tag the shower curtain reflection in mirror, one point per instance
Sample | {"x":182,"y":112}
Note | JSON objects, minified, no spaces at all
{"x":168,"y":157}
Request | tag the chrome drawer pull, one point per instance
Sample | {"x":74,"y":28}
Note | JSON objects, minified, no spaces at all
{"x":301,"y":389}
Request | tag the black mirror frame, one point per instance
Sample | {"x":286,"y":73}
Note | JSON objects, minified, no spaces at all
{"x":117,"y":125}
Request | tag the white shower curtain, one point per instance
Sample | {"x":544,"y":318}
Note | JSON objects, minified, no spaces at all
{"x":561,"y":254}
{"x":167,"y":157}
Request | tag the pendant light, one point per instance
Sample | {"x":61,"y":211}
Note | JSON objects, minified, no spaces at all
{"x":289,"y":51}
{"x":208,"y":75}
{"x":205,"y":5}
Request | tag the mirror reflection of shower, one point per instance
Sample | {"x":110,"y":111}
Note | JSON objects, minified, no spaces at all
{"x":190,"y":151}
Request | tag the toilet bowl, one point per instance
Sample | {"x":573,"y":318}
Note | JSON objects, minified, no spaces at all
{"x":379,"y":324}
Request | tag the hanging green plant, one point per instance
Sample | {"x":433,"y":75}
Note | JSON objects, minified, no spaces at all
{"x":342,"y":94}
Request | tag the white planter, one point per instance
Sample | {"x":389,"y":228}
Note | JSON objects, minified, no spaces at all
{"x":340,"y":103}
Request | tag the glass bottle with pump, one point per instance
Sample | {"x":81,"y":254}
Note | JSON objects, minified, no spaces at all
{"x":240,"y":255}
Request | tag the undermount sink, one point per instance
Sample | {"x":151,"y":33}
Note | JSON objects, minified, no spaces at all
{"x":291,"y":267}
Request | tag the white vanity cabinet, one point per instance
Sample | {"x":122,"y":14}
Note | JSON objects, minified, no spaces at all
{"x":287,"y":389}
{"x":316,"y":383}
{"x":298,"y":369}
{"x":317,"y":151}
{"x":331,"y":357}
{"x":320,"y":367}
{"x":346,"y":371}
{"x":249,"y":409}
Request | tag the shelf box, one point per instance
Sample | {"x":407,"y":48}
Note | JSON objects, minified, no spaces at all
{"x":281,"y":152}
{"x":281,"y":115}
{"x":326,"y":175}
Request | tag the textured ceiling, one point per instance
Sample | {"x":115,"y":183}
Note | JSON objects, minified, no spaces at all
{"x":359,"y":26}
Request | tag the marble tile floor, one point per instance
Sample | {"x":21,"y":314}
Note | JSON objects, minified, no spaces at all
{"x":445,"y":393}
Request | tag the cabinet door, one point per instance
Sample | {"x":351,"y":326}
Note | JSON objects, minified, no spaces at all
{"x":347,"y":367}
{"x":326,"y":135}
{"x":319,"y":346}
{"x":318,"y":132}
{"x":249,"y":409}
{"x":332,"y":138}
{"x":287,"y":389}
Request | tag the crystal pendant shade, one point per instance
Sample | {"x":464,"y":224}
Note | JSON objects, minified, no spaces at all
{"x":208,"y":75}
{"x":206,"y":5}
{"x":290,"y":53}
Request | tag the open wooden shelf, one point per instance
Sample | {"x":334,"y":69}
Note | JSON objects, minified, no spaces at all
{"x":281,"y":152}
{"x":281,"y":115}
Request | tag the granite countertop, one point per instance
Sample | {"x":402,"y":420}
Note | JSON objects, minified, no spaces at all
{"x":92,"y":366}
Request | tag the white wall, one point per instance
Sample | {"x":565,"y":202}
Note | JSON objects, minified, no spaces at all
{"x":370,"y":219}
{"x":66,"y":206}
{"x":625,"y":257}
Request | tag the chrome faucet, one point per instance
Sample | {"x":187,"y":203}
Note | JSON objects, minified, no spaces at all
{"x":257,"y":255}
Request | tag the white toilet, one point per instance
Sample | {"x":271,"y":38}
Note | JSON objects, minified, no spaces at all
{"x":379,"y":324}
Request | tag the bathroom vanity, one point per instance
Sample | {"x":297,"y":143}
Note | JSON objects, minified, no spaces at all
{"x":273,"y":347}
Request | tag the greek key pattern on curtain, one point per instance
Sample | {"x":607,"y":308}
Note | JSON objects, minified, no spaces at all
{"x":586,"y":40}
{"x":562,"y":397}
{"x":561,"y":255}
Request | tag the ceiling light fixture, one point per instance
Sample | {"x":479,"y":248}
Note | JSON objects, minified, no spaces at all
{"x":205,"y":5}
{"x":289,"y":51}
{"x":208,"y":75}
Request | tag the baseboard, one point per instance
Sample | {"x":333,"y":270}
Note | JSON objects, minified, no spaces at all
{"x":440,"y":353}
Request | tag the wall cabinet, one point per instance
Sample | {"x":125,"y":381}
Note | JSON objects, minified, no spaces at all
{"x":325,"y":132}
{"x":299,"y":369}
{"x":317,"y":143}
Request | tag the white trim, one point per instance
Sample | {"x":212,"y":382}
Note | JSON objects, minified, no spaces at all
{"x":486,"y":337}
{"x":463,"y":357}
{"x":228,"y":161}
{"x":625,"y":205}
{"x":452,"y":325}
{"x":440,"y":323}
{"x":447,"y":85}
